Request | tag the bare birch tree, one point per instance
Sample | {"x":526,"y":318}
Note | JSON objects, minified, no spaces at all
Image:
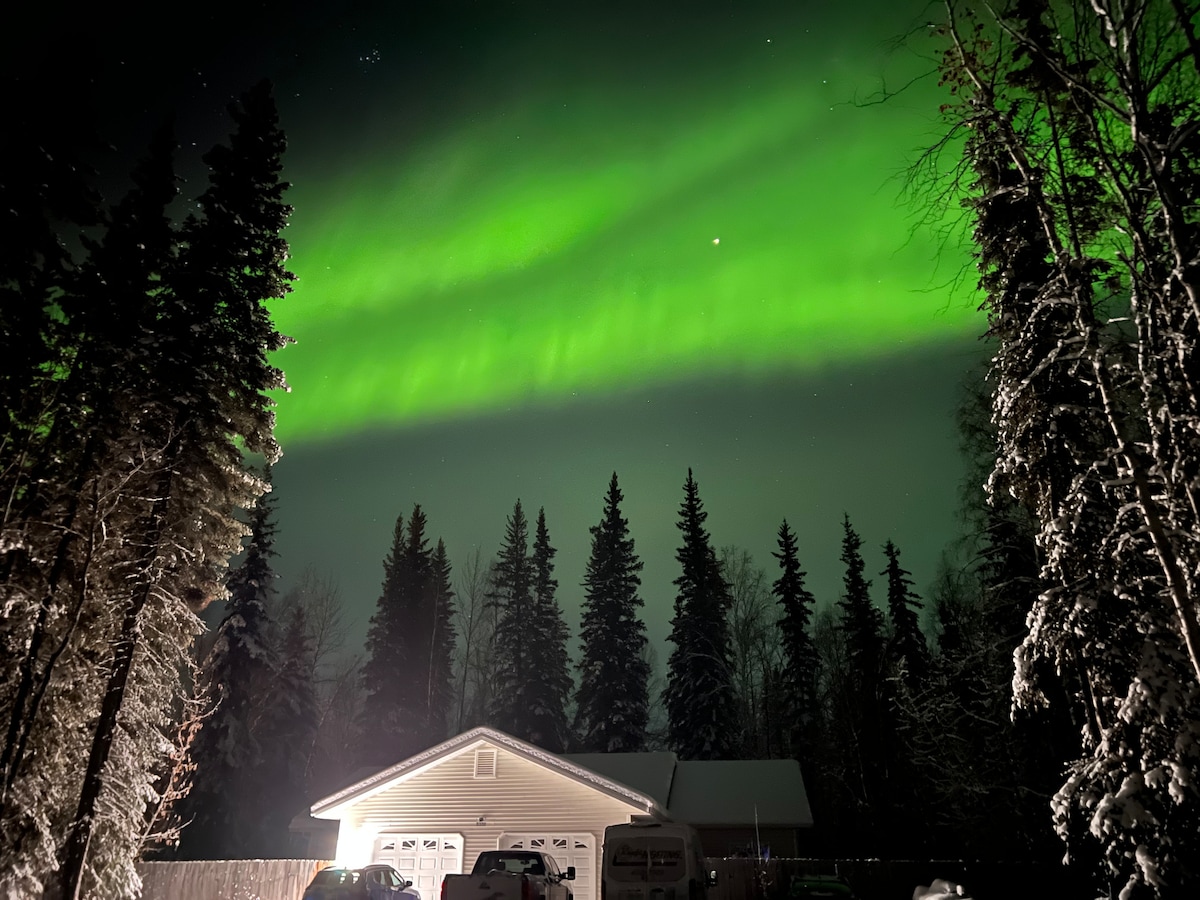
{"x":755,"y":653}
{"x":1080,"y":126}
{"x":475,"y":622}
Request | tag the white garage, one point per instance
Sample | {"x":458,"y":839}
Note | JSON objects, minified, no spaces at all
{"x":434,"y":813}
{"x":421,"y":858}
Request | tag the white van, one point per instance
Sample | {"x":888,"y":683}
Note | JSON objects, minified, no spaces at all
{"x":654,"y":861}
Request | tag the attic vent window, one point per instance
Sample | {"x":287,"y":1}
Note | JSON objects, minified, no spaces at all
{"x":485,"y":763}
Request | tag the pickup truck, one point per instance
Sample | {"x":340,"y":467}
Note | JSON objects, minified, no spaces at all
{"x":511,"y":875}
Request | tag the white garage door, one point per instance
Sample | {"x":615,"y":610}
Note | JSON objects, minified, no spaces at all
{"x":578,"y":850}
{"x":421,"y":858}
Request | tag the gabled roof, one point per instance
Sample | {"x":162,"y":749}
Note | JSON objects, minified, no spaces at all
{"x":332,"y":807}
{"x":697,"y":792}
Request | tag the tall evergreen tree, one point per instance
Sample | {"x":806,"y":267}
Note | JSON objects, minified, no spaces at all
{"x":613,"y":701}
{"x":285,"y":731}
{"x":866,"y":711}
{"x":550,"y":684}
{"x":440,"y":680}
{"x":907,"y":649}
{"x":46,"y":195}
{"x":417,"y":614}
{"x":410,"y":646}
{"x":386,"y":724}
{"x":861,"y":620}
{"x":71,"y":464}
{"x":905,"y":672}
{"x":123,"y":479}
{"x":800,"y":657}
{"x":56,"y":450}
{"x":701,"y":721}
{"x":511,"y":595}
{"x":206,"y":406}
{"x":238,"y":676}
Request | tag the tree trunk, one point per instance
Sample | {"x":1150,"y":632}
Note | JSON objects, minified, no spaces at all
{"x":73,"y":855}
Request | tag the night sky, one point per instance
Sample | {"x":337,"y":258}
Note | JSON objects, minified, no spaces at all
{"x":537,"y":243}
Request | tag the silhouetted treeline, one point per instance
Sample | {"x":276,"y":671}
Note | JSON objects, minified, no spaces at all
{"x":905,"y":739}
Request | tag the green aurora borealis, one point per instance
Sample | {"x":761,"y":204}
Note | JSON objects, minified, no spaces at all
{"x":570,"y":231}
{"x":508,"y":286}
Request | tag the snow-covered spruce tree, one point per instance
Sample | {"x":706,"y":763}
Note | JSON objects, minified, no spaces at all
{"x":46,"y":195}
{"x":193,"y":398}
{"x":613,"y":700}
{"x":1082,"y":145}
{"x":70,"y":468}
{"x":549,"y":688}
{"x":52,"y":456}
{"x":701,"y":717}
{"x":515,"y":655}
{"x":799,"y":675}
{"x":224,"y":809}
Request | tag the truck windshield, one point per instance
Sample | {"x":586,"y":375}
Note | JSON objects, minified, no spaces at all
{"x":648,"y":859}
{"x":520,"y":865}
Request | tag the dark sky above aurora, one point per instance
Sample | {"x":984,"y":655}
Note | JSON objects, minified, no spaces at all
{"x":536,"y":243}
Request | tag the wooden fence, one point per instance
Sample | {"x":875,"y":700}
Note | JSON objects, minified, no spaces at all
{"x":881,"y":879}
{"x":228,"y":879}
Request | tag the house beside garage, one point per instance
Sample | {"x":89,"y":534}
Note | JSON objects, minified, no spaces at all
{"x":432,"y":814}
{"x":740,"y":807}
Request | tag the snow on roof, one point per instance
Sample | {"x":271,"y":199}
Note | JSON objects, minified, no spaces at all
{"x":739,"y":792}
{"x":334,"y":805}
{"x":648,"y":773}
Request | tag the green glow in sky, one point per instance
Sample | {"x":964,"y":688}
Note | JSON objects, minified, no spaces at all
{"x":585,"y":236}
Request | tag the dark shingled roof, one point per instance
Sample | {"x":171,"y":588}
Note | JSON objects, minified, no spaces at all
{"x":710,"y":792}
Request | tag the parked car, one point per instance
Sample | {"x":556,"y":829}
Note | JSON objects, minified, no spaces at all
{"x":367,"y":883}
{"x":811,"y":887}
